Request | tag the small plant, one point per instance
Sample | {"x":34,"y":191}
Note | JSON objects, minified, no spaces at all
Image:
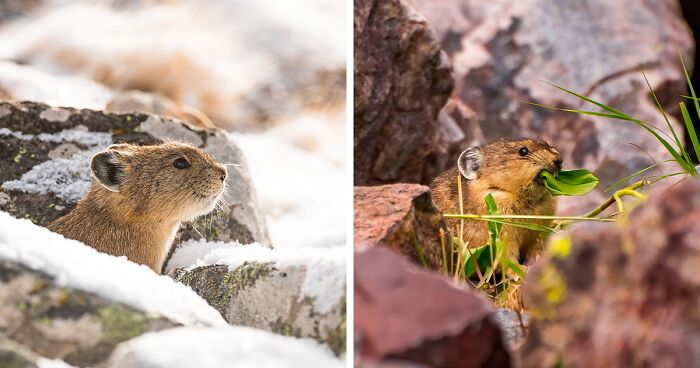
{"x":483,"y":262}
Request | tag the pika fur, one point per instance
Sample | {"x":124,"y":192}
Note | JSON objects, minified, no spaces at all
{"x":508,"y":169}
{"x":139,"y":198}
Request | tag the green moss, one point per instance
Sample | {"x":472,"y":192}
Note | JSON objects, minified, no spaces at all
{"x":187,"y":278}
{"x":337,"y":336}
{"x":120,"y":323}
{"x":285,"y":328}
{"x":242,"y":277}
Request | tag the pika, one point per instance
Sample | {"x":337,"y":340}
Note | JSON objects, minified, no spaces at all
{"x":140,"y":196}
{"x":509,"y":170}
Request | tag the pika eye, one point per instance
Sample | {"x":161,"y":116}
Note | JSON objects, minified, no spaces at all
{"x":181,"y":163}
{"x":523,"y":151}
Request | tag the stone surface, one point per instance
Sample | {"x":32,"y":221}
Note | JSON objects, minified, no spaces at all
{"x":410,"y":315}
{"x":402,"y":79}
{"x":624,"y":296}
{"x":501,"y":50}
{"x":270,"y":298}
{"x":63,"y":323}
{"x":62,"y":140}
{"x":402,"y":217}
{"x":14,"y":355}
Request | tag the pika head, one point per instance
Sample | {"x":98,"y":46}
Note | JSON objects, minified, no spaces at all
{"x":171,"y":181}
{"x":509,"y":164}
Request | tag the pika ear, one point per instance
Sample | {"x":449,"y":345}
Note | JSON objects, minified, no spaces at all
{"x":469,"y":162}
{"x":109,"y":168}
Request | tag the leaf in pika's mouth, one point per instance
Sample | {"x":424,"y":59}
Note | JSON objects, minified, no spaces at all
{"x":569,"y":182}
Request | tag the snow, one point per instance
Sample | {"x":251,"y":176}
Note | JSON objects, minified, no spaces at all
{"x":188,"y":347}
{"x":67,"y":178}
{"x":324,"y":280}
{"x":300,"y":192}
{"x":76,"y":135}
{"x":25,"y":82}
{"x":51,"y":363}
{"x":76,"y":265}
{"x":175,"y":48}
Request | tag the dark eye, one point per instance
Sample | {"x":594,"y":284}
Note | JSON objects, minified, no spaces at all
{"x":181,"y":163}
{"x":523,"y":151}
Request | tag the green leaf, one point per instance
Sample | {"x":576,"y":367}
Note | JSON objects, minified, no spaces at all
{"x":481,"y":255}
{"x":569,"y":182}
{"x":517,"y":269}
{"x":500,"y":247}
{"x":494,"y":227}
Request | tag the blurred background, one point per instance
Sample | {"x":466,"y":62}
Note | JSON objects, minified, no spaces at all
{"x":270,"y":72}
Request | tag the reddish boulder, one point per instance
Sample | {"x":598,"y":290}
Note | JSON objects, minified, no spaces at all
{"x":624,"y":296}
{"x":402,"y":217}
{"x":405,"y":314}
{"x":402,"y":80}
{"x":501,"y":51}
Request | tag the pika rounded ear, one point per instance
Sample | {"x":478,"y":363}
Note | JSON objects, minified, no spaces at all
{"x":469,"y":162}
{"x":109,"y":168}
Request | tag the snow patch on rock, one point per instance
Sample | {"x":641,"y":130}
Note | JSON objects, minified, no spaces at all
{"x":66,"y":178}
{"x":324,"y":281}
{"x":187,"y":347}
{"x":73,"y":264}
{"x":79,"y":134}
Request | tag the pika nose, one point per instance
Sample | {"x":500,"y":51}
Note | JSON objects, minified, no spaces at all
{"x":557,"y":162}
{"x":223,"y":174}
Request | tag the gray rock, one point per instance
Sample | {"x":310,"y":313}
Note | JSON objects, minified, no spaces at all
{"x":14,"y":355}
{"x":44,"y":155}
{"x":512,"y":325}
{"x":263,"y":296}
{"x":61,"y":322}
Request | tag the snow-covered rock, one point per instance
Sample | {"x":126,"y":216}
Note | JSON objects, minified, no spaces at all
{"x":296,"y":292}
{"x":220,"y":347}
{"x":64,"y":300}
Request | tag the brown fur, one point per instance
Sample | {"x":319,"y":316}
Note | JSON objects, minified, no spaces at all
{"x":513,"y":181}
{"x":140,"y":220}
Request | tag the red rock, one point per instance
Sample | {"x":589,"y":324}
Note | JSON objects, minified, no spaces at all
{"x":402,"y":79}
{"x":405,"y":314}
{"x":398,"y":216}
{"x":628,"y":295}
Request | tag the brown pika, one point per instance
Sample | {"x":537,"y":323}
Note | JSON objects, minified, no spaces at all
{"x":139,"y":198}
{"x":509,"y":170}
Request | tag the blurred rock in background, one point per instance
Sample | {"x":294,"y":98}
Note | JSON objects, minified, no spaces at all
{"x":244,"y":65}
{"x":500,"y":53}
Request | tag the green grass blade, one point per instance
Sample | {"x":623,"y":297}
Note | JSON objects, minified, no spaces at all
{"x":515,"y":267}
{"x":584,"y":112}
{"x":599,"y":114}
{"x":691,"y":129}
{"x":524,"y":225}
{"x":690,"y":86}
{"x":588,"y":99}
{"x":686,"y":165}
{"x":668,"y":123}
{"x":419,"y":251}
{"x":636,"y":173}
